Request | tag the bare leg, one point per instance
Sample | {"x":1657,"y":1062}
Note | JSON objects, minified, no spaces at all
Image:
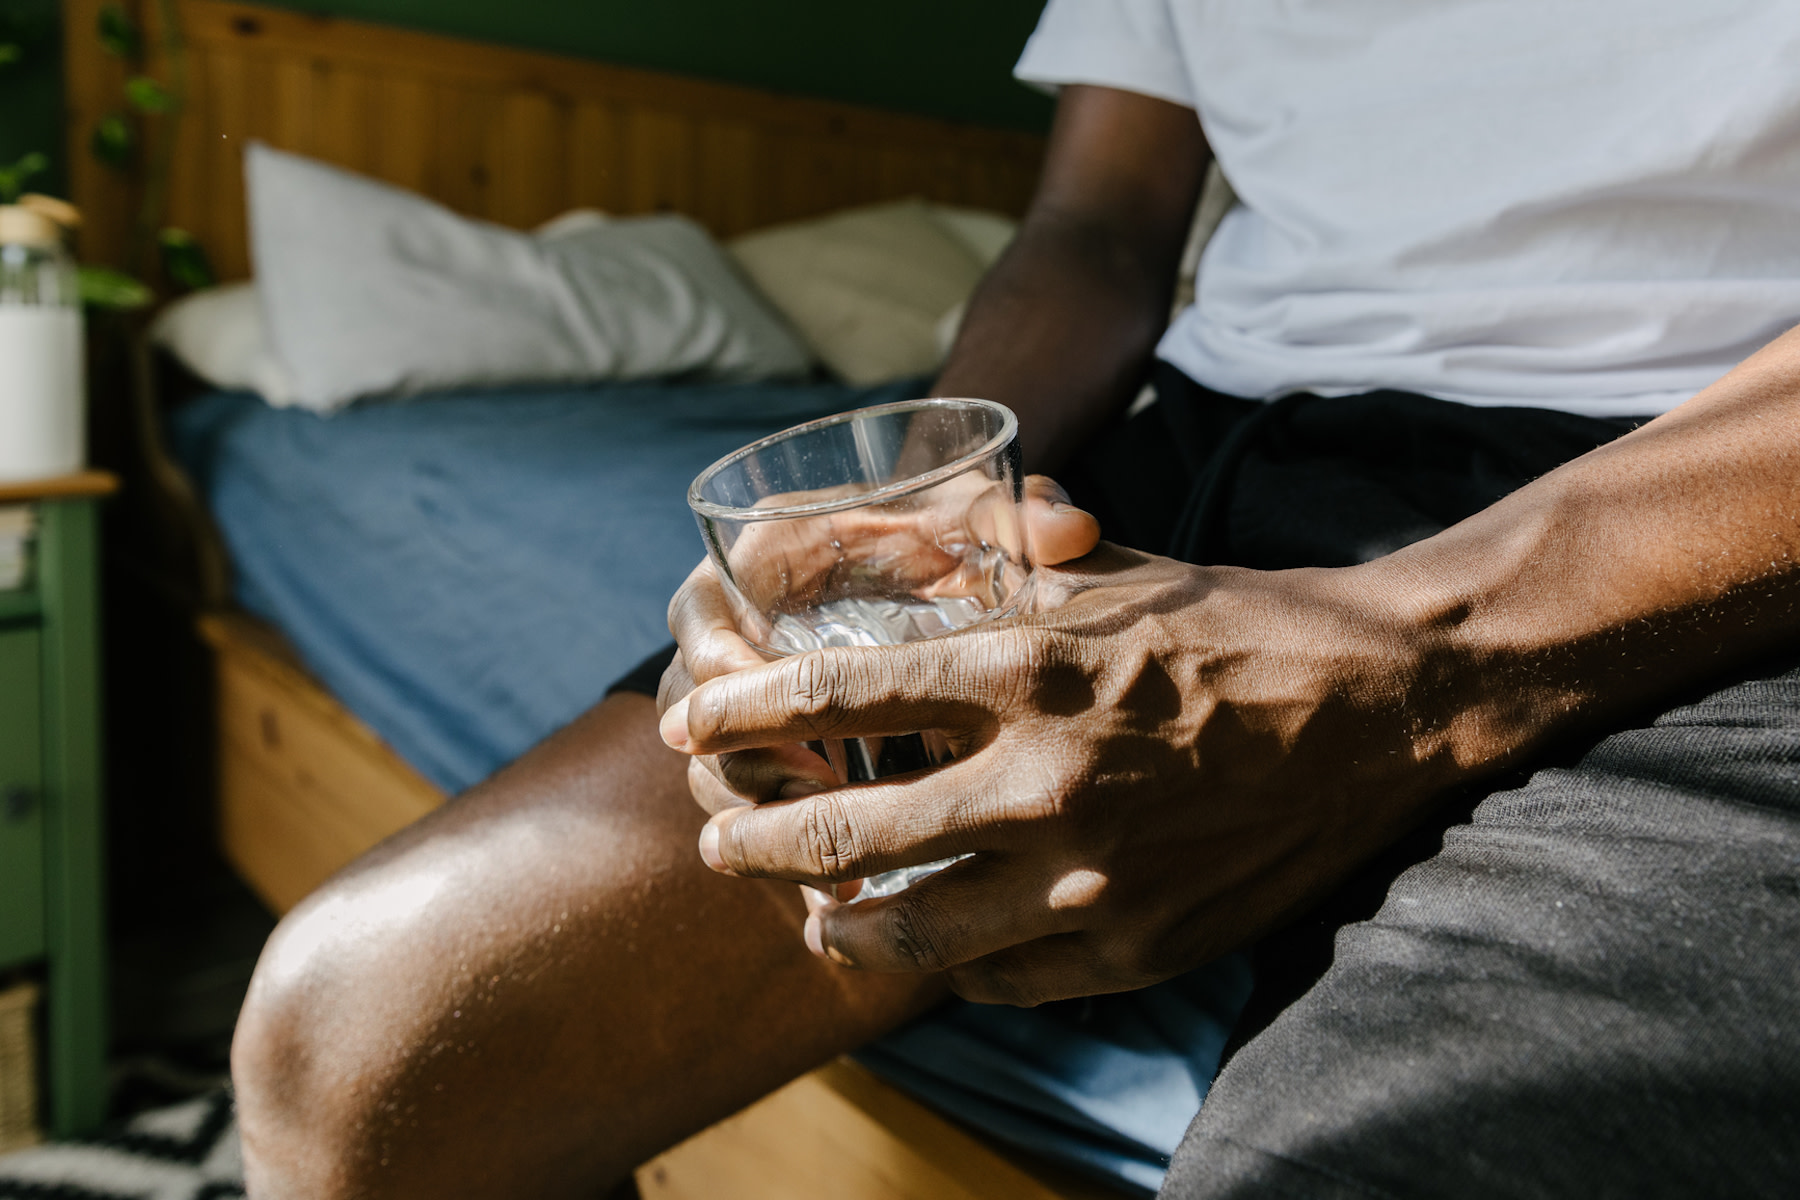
{"x":534,"y":990}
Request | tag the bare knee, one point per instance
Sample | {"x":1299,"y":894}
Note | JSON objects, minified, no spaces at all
{"x":381,"y":1052}
{"x":309,"y":1089}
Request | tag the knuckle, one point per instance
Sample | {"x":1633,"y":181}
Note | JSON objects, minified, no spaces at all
{"x":812,"y":687}
{"x":829,"y":840}
{"x":916,"y":936}
{"x":1013,"y":658}
{"x":707,"y":659}
{"x":722,"y":652}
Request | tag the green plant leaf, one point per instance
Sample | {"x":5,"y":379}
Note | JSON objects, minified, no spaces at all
{"x":109,"y":289}
{"x":24,"y":33}
{"x":185,"y":261}
{"x":113,"y":142}
{"x":119,"y":34}
{"x":13,"y":178}
{"x":148,"y":96}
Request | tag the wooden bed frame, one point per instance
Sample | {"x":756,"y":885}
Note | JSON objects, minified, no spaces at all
{"x":514,"y":137}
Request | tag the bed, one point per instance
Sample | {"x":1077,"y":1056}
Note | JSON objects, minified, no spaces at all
{"x":303,"y":785}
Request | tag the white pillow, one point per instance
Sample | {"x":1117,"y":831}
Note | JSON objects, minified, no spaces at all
{"x":984,"y":234}
{"x":369,"y":289}
{"x":868,"y":287}
{"x":218,"y":334}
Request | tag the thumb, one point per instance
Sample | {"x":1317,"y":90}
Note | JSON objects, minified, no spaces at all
{"x":1060,"y":532}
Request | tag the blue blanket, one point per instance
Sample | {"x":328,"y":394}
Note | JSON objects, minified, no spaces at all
{"x":470,"y":572}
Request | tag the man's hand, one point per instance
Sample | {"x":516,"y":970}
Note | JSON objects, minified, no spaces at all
{"x":1173,"y":758}
{"x":704,"y":624}
{"x":1153,"y":771}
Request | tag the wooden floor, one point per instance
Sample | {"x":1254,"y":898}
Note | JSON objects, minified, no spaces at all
{"x":306,"y":787}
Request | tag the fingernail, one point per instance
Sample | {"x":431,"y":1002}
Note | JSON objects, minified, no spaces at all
{"x":1062,"y":509}
{"x":815,"y":899}
{"x":795,"y":789}
{"x":815,"y":936}
{"x":709,"y":849}
{"x":674,"y":727}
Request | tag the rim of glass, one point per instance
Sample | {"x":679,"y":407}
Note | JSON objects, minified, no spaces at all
{"x":1009,"y":428}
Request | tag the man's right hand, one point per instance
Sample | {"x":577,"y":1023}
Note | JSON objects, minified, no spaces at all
{"x":706,"y":630}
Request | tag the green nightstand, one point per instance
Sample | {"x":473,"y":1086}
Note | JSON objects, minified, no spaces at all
{"x":51,"y":897}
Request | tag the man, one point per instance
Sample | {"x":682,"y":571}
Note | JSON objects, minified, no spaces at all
{"x":1483,"y":239}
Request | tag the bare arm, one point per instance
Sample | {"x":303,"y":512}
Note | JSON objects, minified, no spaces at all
{"x":1177,"y":757}
{"x":1650,"y":565}
{"x":1063,"y":327}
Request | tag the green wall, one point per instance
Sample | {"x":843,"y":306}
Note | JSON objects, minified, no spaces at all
{"x":946,"y":58}
{"x":31,"y":90}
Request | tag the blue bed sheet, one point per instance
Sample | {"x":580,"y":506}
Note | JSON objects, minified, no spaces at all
{"x":470,"y":572}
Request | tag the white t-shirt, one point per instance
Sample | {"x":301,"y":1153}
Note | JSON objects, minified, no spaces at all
{"x":1588,"y":206}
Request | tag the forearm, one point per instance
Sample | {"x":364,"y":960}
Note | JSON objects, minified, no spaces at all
{"x":1063,"y":328}
{"x":1062,"y":331}
{"x":1617,"y":582}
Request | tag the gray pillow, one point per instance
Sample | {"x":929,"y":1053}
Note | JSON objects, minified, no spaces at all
{"x":369,"y":289}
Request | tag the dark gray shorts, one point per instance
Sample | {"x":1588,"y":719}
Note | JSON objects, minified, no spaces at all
{"x":1592,"y":990}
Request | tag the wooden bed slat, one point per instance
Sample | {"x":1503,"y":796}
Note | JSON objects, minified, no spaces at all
{"x":863,"y":1139}
{"x":304,"y":786}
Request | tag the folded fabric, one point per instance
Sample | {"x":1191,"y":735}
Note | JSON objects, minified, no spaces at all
{"x":369,"y":289}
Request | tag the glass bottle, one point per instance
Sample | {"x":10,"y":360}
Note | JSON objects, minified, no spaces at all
{"x":43,"y":419}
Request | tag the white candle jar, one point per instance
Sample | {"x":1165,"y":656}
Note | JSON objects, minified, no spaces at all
{"x":43,"y":393}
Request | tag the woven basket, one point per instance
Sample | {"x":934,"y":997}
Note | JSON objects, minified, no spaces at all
{"x":18,"y":1068}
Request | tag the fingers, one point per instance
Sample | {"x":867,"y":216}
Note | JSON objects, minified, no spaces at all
{"x":1060,"y":532}
{"x":887,"y":935}
{"x":707,"y":789}
{"x":777,"y":773}
{"x":850,"y":833}
{"x":675,"y":684}
{"x":967,"y":911}
{"x":702,"y":621}
{"x":954,"y":684}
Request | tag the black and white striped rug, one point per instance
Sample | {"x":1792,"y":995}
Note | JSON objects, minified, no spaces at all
{"x":185,"y":1152}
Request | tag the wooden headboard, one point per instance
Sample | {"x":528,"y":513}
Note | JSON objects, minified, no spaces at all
{"x":509,"y":135}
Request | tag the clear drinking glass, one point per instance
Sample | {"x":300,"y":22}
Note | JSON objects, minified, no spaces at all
{"x":871,"y":528}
